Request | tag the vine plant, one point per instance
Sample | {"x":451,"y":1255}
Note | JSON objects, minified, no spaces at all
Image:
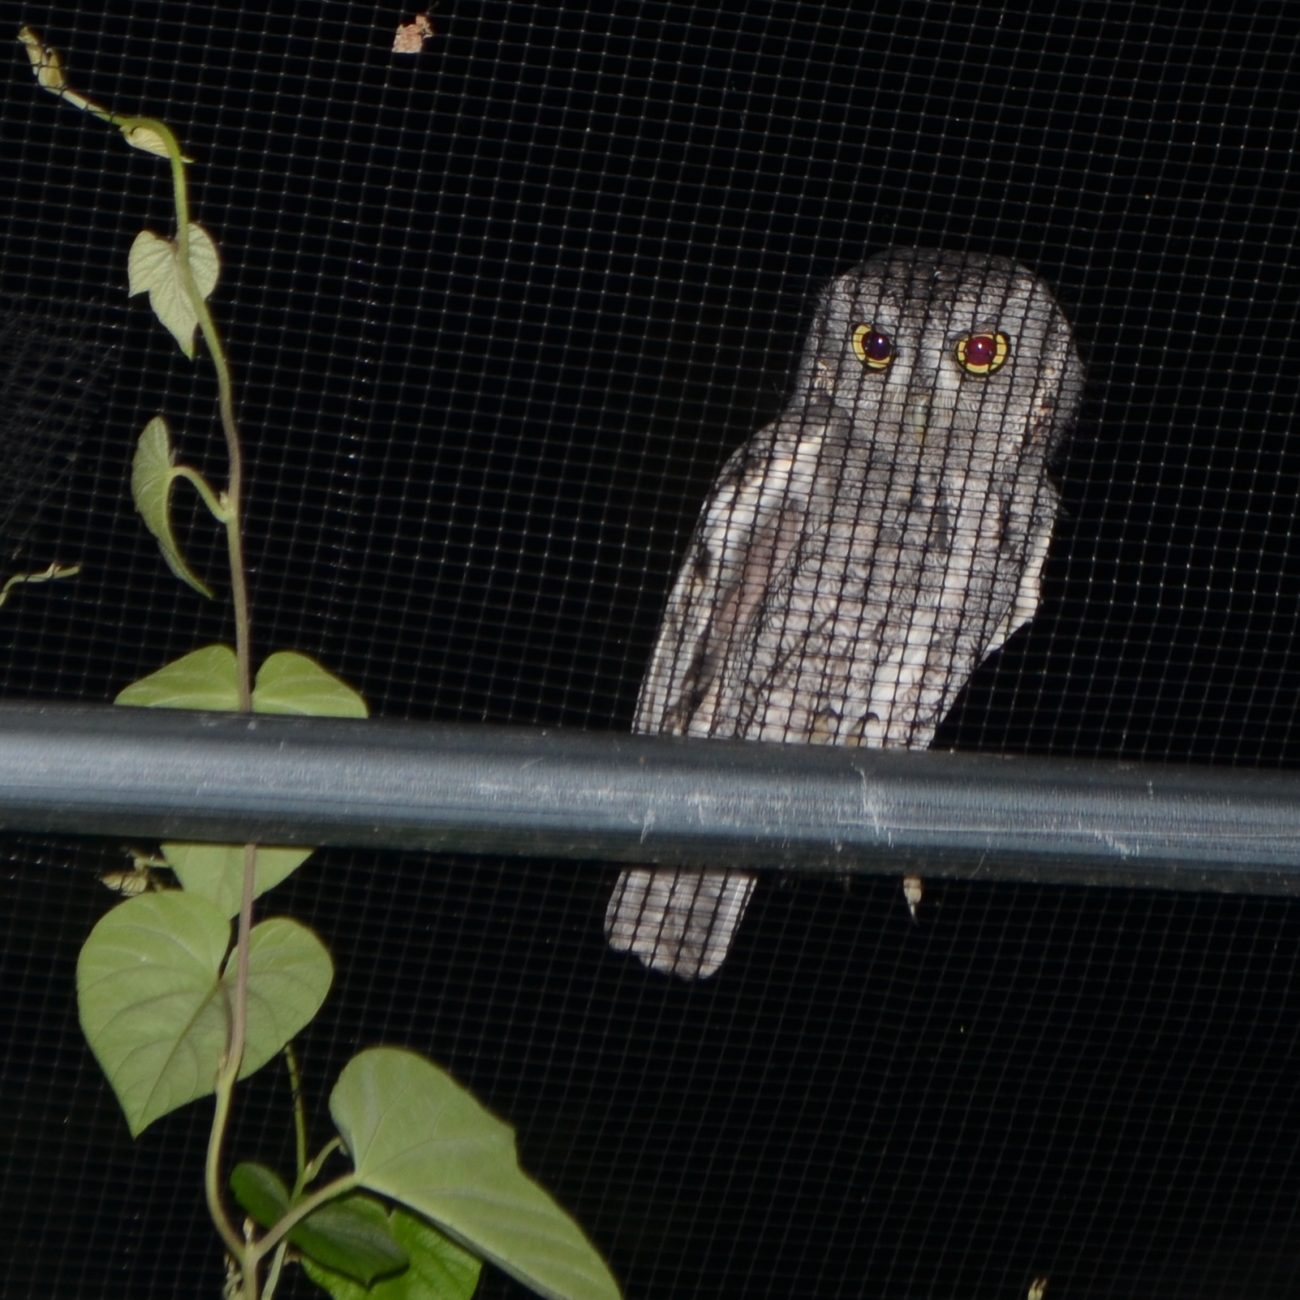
{"x":421,"y":1182}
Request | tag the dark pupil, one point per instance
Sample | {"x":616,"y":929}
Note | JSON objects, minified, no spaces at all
{"x":981,"y":350}
{"x":877,"y":346}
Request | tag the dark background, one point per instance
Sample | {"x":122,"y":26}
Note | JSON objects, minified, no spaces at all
{"x":498,"y":313}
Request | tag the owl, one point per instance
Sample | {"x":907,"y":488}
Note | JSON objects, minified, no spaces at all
{"x":860,"y":557}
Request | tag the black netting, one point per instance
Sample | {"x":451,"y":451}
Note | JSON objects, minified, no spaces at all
{"x":499,"y":312}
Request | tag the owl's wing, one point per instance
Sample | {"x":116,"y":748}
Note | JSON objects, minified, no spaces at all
{"x":682,"y":922}
{"x":754,"y":519}
{"x":1028,"y":535}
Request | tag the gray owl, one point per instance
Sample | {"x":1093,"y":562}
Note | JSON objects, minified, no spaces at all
{"x":860,"y":557}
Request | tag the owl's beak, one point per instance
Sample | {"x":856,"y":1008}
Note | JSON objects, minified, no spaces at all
{"x":916,"y":415}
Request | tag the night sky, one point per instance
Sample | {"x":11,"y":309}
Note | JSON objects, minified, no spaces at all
{"x":499,"y":311}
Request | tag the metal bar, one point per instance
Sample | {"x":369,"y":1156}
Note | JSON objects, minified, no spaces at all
{"x":619,"y":798}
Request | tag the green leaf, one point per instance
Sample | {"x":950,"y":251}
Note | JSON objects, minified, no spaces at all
{"x":154,"y":992}
{"x":216,"y":871}
{"x":202,"y":679}
{"x":419,"y":1138}
{"x":152,"y":473}
{"x":289,"y":682}
{"x":47,"y":65}
{"x":145,"y":138}
{"x":260,"y":1192}
{"x":154,"y":267}
{"x":349,"y":1235}
{"x":207,"y":679}
{"x":439,"y":1269}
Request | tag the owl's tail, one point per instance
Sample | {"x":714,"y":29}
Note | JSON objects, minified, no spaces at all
{"x":678,"y":922}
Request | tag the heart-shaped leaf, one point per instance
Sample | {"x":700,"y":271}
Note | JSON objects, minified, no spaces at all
{"x":289,"y":682}
{"x":417,"y":1137}
{"x":154,"y":267}
{"x":216,"y":871}
{"x":155,"y":992}
{"x":151,"y":490}
{"x":202,"y":679}
{"x":207,"y":679}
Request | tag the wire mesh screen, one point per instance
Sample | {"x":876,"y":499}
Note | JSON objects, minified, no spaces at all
{"x":501,"y":307}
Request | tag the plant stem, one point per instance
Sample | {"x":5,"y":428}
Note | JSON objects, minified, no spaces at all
{"x":273,"y":1273}
{"x":299,"y":1117}
{"x":229,"y":422}
{"x":156,"y":137}
{"x":228,"y":1075}
{"x":239,"y":1016}
{"x":212,"y":1165}
{"x":310,"y":1173}
{"x":293,"y":1217}
{"x":209,"y":498}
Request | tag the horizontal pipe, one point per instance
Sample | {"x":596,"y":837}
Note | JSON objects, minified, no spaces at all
{"x":618,"y":798}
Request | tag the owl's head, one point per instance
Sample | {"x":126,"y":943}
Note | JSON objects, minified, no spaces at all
{"x":918,"y":344}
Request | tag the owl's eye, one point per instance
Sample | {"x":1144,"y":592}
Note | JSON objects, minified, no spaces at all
{"x":875,"y":350}
{"x":982,"y":354}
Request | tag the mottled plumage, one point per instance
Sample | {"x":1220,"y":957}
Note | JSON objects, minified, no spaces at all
{"x":857,"y":559}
